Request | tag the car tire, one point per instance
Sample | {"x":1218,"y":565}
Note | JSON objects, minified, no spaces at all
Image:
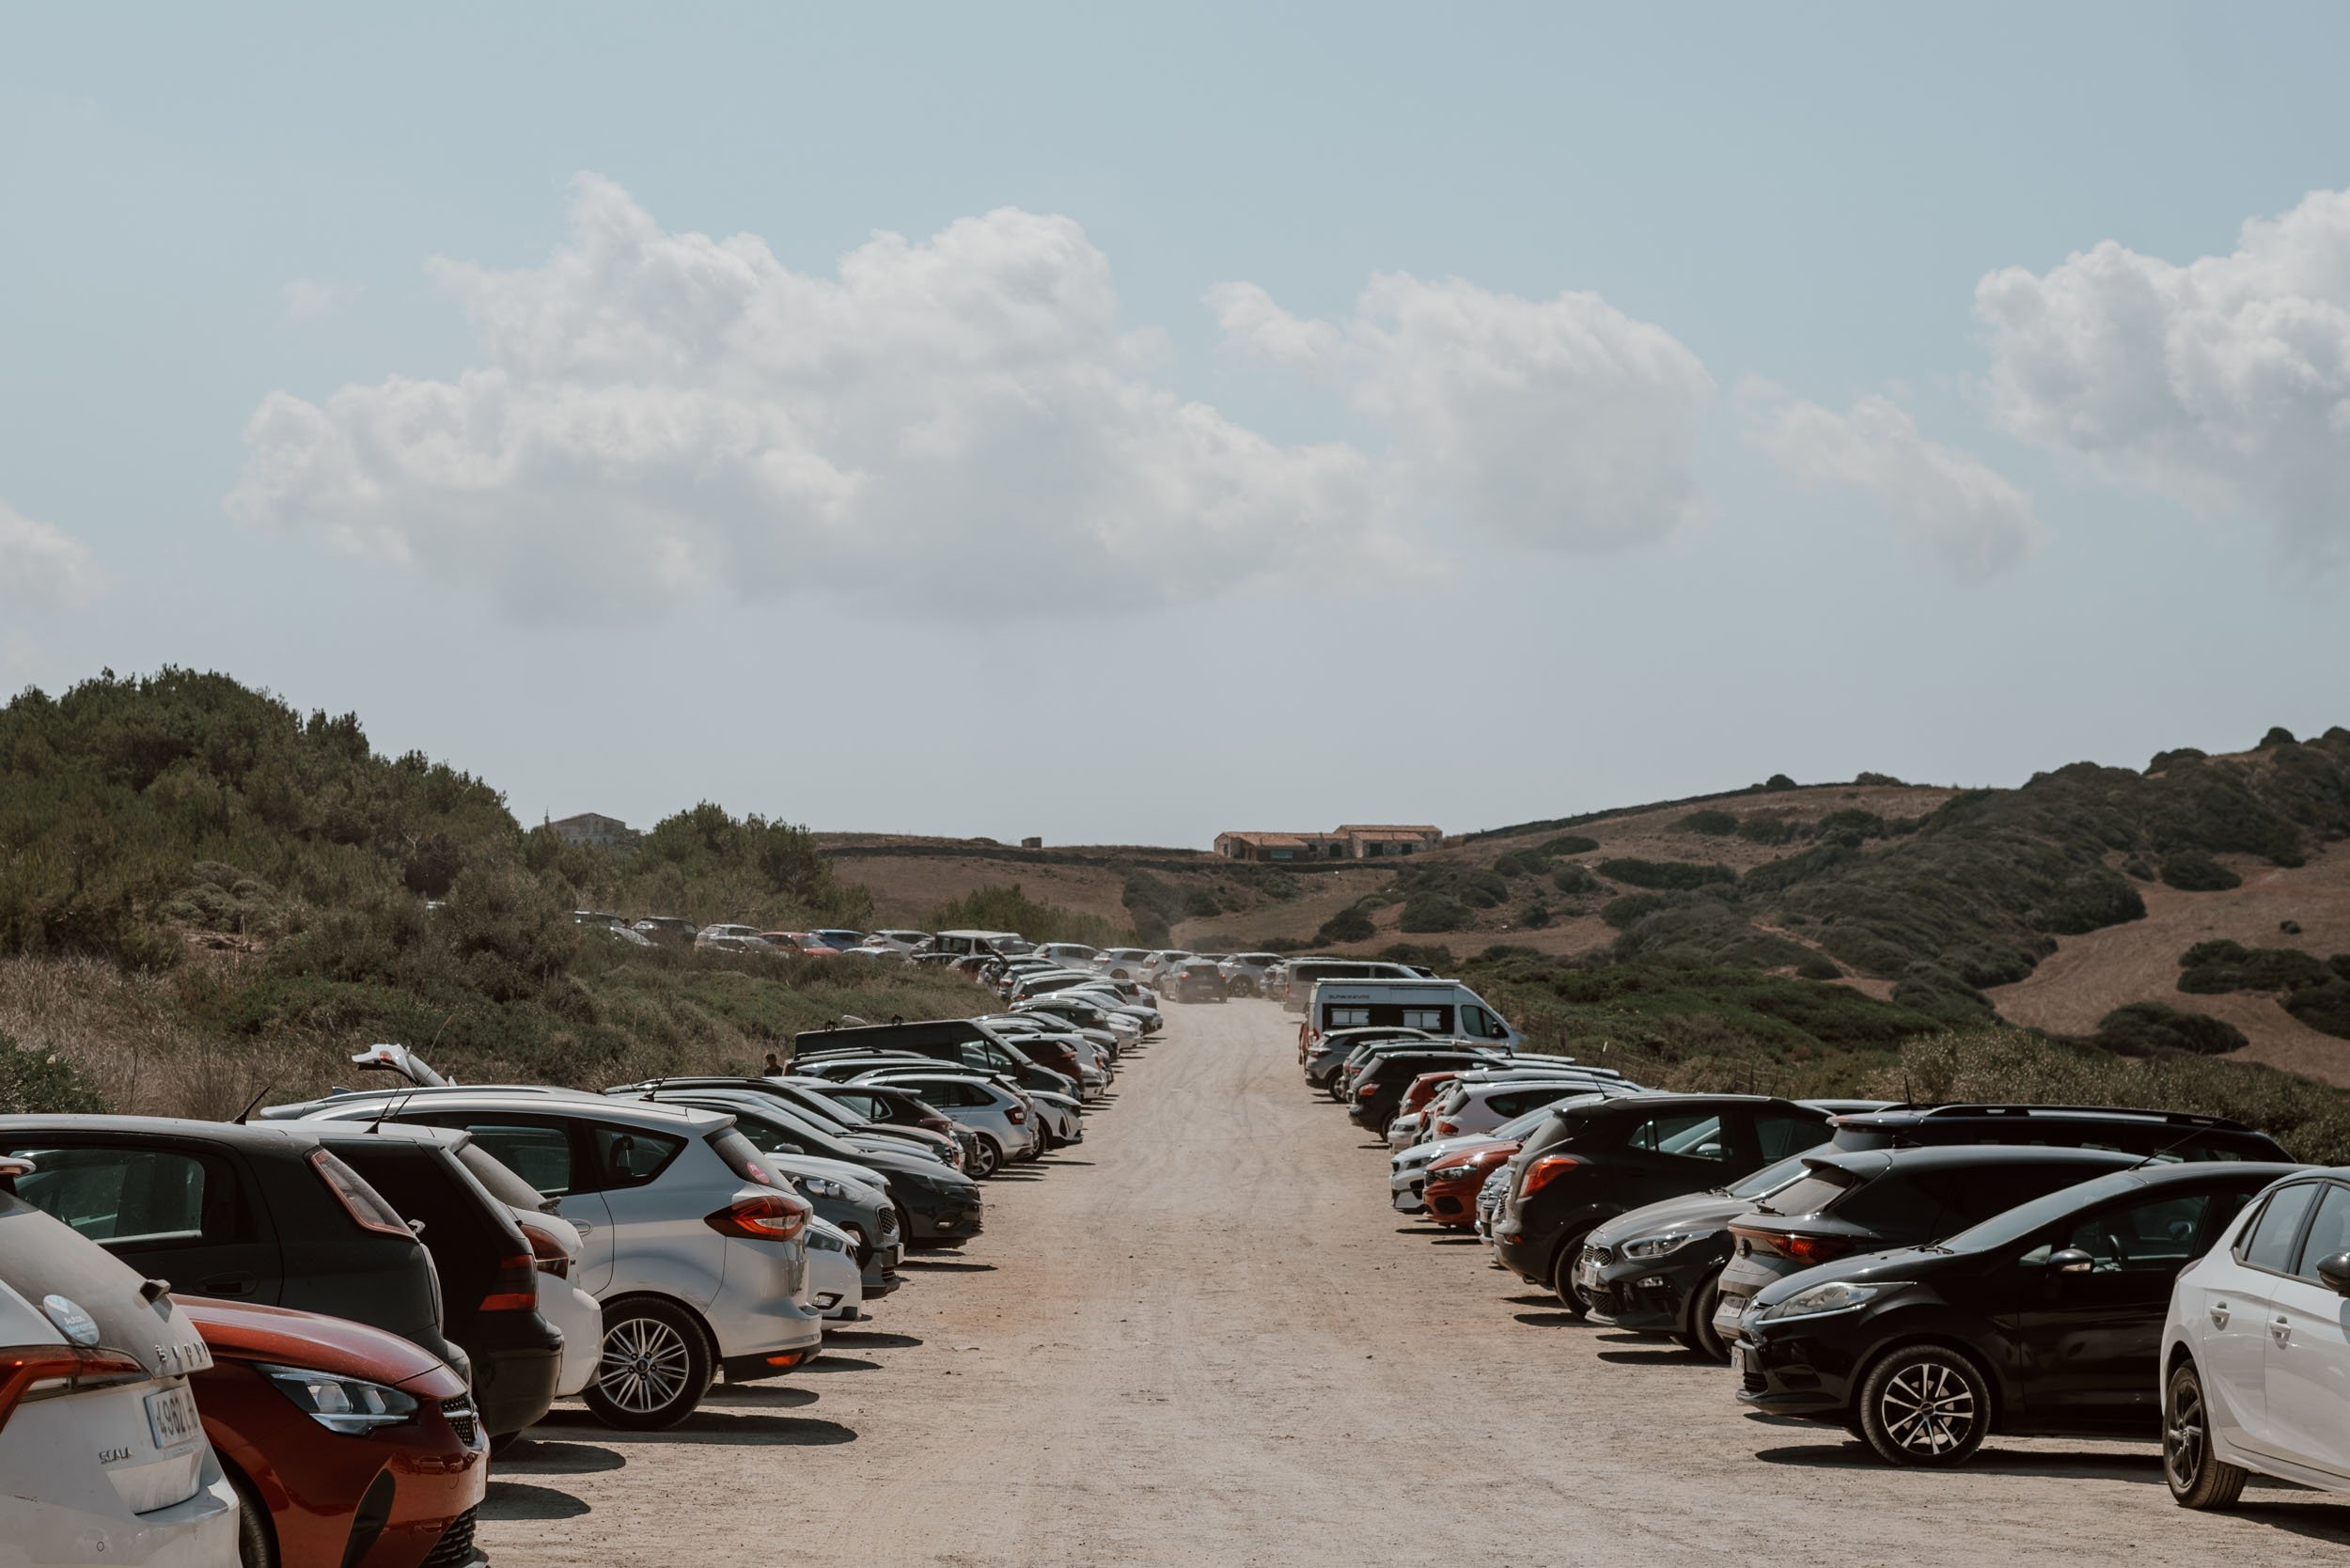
{"x":1562,"y":1277}
{"x":257,"y":1538}
{"x":656,"y":1366}
{"x":1701,"y":1337}
{"x":2199,"y":1478}
{"x":1925,"y":1406}
{"x":990,"y":1158}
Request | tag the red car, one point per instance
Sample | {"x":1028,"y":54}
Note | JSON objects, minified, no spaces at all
{"x":358,"y":1447}
{"x":1450,"y":1187}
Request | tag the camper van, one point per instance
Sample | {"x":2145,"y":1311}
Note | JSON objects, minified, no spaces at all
{"x":1305,"y":972}
{"x":1444,"y":1009}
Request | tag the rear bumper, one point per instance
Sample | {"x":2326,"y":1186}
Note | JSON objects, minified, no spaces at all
{"x":514,"y":1384}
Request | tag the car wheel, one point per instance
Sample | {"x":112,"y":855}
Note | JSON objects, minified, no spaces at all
{"x":990,"y":1158}
{"x":1702,"y":1337}
{"x":257,"y":1538}
{"x":1925,"y":1406}
{"x":655,"y":1366}
{"x":1562,"y":1277}
{"x":2198,"y":1477}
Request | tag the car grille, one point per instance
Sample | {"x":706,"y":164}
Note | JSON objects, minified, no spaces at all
{"x":888,"y":1226}
{"x":1757,"y":1384}
{"x":1598,"y":1257}
{"x":455,"y":1548}
{"x":459,"y":1413}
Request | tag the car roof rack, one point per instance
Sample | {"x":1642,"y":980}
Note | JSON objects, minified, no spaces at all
{"x":1985,"y":1108}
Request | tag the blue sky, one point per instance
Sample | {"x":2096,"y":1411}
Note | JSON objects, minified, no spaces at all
{"x":1685,"y":452}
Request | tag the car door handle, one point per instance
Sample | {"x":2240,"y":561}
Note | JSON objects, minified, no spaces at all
{"x":2220,"y":1315}
{"x":2281,"y":1329}
{"x":581,"y":1226}
{"x":237,"y":1283}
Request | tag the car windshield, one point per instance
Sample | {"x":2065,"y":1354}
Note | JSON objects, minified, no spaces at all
{"x":2026,"y":1218}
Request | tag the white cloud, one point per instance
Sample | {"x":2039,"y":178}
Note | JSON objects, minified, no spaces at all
{"x":657,"y":416}
{"x":41,"y":567}
{"x":2224,"y":384}
{"x":1970,"y":518}
{"x":304,"y":300}
{"x":1560,"y":423}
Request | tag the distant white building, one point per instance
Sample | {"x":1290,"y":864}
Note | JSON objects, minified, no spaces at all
{"x":591,"y":827}
{"x":1354,"y":841}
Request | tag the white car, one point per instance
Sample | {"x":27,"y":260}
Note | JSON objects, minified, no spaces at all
{"x":1407,"y":1171}
{"x":1069,"y":955}
{"x":695,"y":1251}
{"x":739,"y":939}
{"x":835,"y":1286}
{"x":1121,"y":963}
{"x":555,"y":1249}
{"x":1001,"y":1115}
{"x":1464,"y":1109}
{"x":2255,"y":1371}
{"x":99,"y":1440}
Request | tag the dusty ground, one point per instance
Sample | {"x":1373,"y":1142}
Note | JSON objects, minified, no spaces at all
{"x":1206,"y":1340}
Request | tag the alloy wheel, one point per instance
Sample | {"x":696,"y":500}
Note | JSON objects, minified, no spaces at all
{"x":1929,"y":1409}
{"x":2185,"y":1444}
{"x":646,"y":1365}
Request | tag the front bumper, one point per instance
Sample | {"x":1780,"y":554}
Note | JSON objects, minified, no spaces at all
{"x":1782,"y":1373}
{"x":1645,"y":1298}
{"x":948,"y":1221}
{"x":1452,"y":1202}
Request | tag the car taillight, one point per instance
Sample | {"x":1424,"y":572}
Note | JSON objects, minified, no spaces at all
{"x":1795,"y":1245}
{"x":36,"y":1372}
{"x":361,"y":1202}
{"x":547,"y":1252}
{"x":1016,"y":1115}
{"x":1545,"y":1171}
{"x":1447,"y":1127}
{"x":768,"y":1216}
{"x":514,"y":1288}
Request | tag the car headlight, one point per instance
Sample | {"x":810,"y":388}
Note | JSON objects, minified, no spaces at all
{"x":825,"y":1241}
{"x":345,"y":1404}
{"x":819,"y":1186}
{"x":1837,"y":1295}
{"x":1659,"y":1245}
{"x":1451,"y":1172}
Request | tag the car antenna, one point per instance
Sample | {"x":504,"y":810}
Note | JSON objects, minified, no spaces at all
{"x":253,"y":1103}
{"x":2158,"y":1154}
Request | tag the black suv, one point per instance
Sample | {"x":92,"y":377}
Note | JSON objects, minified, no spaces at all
{"x":266,"y":1214}
{"x":2048,"y":1318}
{"x":2171,"y":1134}
{"x":1587,"y":1163}
{"x":1377,"y":1093}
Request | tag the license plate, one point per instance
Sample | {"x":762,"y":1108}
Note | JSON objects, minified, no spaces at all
{"x":1742,"y":1359}
{"x":890,"y":1256}
{"x":1587,"y":1275}
{"x":171,"y":1416}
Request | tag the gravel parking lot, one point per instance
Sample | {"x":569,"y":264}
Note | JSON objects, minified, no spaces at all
{"x":1203,"y":1337}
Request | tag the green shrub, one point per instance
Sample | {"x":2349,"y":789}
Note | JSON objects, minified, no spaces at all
{"x":2218,"y":951}
{"x":2142,"y":1029}
{"x":1942,"y":993}
{"x":1664,"y":874}
{"x":1881,"y":780}
{"x":1711,"y":822}
{"x":2324,"y":1006}
{"x":1427,"y":912}
{"x":1570,"y":843}
{"x":2089,"y":899}
{"x":1431,"y":955}
{"x":2136,"y":868}
{"x":2278,"y":736}
{"x":1200,"y":904}
{"x":1819,"y":966}
{"x":1778,"y":782}
{"x":2193,"y":872}
{"x":1575,"y":877}
{"x":1524,"y":862}
{"x":2164,"y":760}
{"x":36,"y":1084}
{"x":1009,"y":908}
{"x":1770,"y":827}
{"x":1633,"y":907}
{"x":1535,"y":916}
{"x":1351,"y":924}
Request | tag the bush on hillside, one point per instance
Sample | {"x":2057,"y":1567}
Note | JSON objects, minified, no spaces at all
{"x":1151,"y":903}
{"x":2089,"y":899}
{"x":1819,"y":966}
{"x":1011,"y":909}
{"x":1779,"y":782}
{"x":34,"y":1082}
{"x":2276,"y":736}
{"x":1429,"y":954}
{"x":1940,"y":993}
{"x":2324,"y":1007}
{"x":1663,"y":874}
{"x":1432,"y":910}
{"x":1570,"y":843}
{"x":1535,"y":916}
{"x":2142,"y":1028}
{"x":1524,"y":862}
{"x":1575,"y":877}
{"x":1770,"y":827}
{"x":1880,"y":780}
{"x":2193,"y":872}
{"x":1712,"y":821}
{"x":1631,"y":909}
{"x":1351,"y":924}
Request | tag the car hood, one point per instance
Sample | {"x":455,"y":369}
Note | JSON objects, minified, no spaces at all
{"x":1698,"y":1210}
{"x":840,"y":1171}
{"x":1900,"y":1262}
{"x":247,"y":1331}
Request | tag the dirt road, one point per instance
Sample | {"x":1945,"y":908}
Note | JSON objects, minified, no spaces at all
{"x":1205,"y":1340}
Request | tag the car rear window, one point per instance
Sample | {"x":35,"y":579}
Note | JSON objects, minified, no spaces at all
{"x":1809,"y":1194}
{"x":498,"y":1181}
{"x":632,"y":1156}
{"x":741,"y":1156}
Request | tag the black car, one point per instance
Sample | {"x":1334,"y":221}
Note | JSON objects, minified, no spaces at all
{"x":1848,"y":1205}
{"x":1655,"y":1270}
{"x":488,"y":1277}
{"x":2044,"y":1319}
{"x":959,"y":1042}
{"x":1195,"y":979}
{"x":1588,"y":1162}
{"x":2171,"y":1134}
{"x":263,"y":1214}
{"x":1376,"y":1092}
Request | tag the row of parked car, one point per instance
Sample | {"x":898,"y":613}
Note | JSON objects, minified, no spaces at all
{"x":1923,"y":1276}
{"x":300,"y":1338}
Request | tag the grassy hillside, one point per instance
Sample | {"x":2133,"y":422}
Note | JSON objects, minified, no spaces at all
{"x":203,"y":892}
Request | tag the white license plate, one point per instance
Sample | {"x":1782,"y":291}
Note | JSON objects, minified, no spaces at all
{"x":890,"y":1256}
{"x":171,"y":1416}
{"x":1742,"y":1358}
{"x":1587,"y":1275}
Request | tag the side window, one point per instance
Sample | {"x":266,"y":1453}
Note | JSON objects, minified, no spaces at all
{"x":135,"y":1197}
{"x":540,"y":1153}
{"x":2329,"y":1232}
{"x":2268,"y":1243}
{"x":631,"y":1156}
{"x":974,"y":1054}
{"x":1781,"y":1135}
{"x":1346,"y":1017}
{"x":1431,"y":1020}
{"x":2157,"y":1236}
{"x":1691,"y":1137}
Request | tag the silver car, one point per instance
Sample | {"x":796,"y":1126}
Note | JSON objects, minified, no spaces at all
{"x":1002,"y":1116}
{"x":696,"y":1249}
{"x":106,"y":1461}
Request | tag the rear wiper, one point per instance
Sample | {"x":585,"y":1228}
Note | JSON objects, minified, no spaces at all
{"x":1763,"y":1208}
{"x":1934,"y":1246}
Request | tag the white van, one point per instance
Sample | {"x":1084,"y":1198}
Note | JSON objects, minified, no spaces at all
{"x":1442,"y":1008}
{"x":1304,"y":972}
{"x":1006,"y":944}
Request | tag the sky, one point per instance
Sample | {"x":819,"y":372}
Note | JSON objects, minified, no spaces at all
{"x":1120,"y":426}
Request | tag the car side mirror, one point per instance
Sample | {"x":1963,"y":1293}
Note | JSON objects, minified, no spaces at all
{"x":2071,"y":1259}
{"x":2334,"y":1272}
